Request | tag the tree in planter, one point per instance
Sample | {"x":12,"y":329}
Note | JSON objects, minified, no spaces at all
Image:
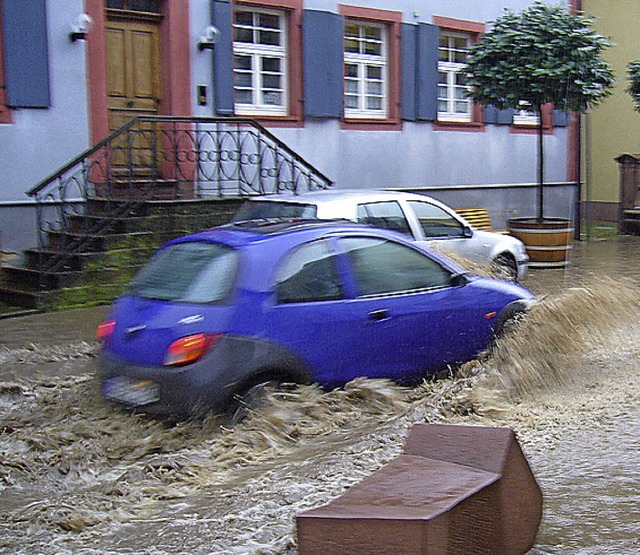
{"x":633,"y":72}
{"x":541,"y":55}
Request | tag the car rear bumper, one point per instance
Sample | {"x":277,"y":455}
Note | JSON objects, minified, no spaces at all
{"x":186,"y":391}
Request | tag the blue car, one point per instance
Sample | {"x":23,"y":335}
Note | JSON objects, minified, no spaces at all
{"x":213,"y":315}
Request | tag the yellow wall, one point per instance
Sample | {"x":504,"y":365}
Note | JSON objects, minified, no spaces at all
{"x":613,"y":127}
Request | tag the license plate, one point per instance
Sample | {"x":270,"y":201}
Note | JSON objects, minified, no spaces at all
{"x":131,"y":391}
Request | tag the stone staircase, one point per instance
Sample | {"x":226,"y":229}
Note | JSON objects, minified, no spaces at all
{"x":105,"y":212}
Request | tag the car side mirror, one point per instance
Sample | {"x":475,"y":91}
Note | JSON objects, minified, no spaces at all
{"x":468,"y":232}
{"x":459,"y":280}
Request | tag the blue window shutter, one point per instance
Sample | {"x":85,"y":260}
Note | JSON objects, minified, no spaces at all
{"x":560,"y":118}
{"x":409,"y":32}
{"x":427,"y":39}
{"x":26,"y":53}
{"x":322,"y":57}
{"x":501,"y":117}
{"x":223,"y":58}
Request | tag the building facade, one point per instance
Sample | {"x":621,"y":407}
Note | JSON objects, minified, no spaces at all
{"x":612,"y":128}
{"x":369,"y":92}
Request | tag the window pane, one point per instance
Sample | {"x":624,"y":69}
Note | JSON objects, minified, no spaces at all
{"x":373,"y":48}
{"x":271,"y":38}
{"x":242,"y":80}
{"x":243,"y":96}
{"x":272,"y":98}
{"x":351,"y":102}
{"x":243,"y":62}
{"x":271,"y":81}
{"x":244,"y":18}
{"x":270,"y":21}
{"x":351,"y":30}
{"x":374,"y":88}
{"x":188,"y":272}
{"x":309,"y":275}
{"x":351,"y":45}
{"x":371,"y":32}
{"x":387,"y":215}
{"x":462,"y":108}
{"x":350,"y":70}
{"x":351,"y":87}
{"x":374,"y":72}
{"x":243,"y":35}
{"x":374,"y":103}
{"x":383,"y":267}
{"x":460,"y":57}
{"x":271,"y":64}
{"x":435,"y":221}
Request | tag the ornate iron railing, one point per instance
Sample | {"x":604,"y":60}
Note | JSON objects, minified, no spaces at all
{"x":164,"y":158}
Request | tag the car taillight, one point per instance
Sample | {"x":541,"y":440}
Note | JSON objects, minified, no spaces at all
{"x":105,"y":331}
{"x":189,"y":349}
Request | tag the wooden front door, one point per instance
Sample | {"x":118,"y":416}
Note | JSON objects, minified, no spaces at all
{"x":133,"y":69}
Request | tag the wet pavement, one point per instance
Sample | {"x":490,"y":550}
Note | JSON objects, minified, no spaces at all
{"x":78,"y":475}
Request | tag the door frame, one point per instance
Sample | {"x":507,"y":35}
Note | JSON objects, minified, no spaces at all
{"x":175,"y":64}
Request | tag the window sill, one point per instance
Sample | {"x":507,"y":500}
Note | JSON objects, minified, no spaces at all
{"x":274,"y":121}
{"x":5,"y":116}
{"x":371,"y":124}
{"x":469,"y":126}
{"x":530,"y":130}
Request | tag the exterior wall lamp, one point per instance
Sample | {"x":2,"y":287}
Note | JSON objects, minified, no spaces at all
{"x":209,"y":39}
{"x":80,"y":27}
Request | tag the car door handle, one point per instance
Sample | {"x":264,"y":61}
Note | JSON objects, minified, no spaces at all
{"x":378,"y":315}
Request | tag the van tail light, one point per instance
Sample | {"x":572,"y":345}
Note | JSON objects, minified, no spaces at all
{"x":105,"y":331}
{"x":190,"y":348}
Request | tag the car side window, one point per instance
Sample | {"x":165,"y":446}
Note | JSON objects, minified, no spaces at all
{"x":383,"y":267}
{"x":387,"y":215}
{"x":435,"y":221}
{"x":309,"y":274}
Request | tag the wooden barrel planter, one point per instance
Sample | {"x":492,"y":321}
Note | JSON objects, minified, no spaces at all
{"x":548,"y":242}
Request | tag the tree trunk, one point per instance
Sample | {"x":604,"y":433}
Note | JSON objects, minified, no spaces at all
{"x":540,"y":165}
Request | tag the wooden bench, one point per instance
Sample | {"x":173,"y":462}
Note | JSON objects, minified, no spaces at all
{"x":479,"y":218}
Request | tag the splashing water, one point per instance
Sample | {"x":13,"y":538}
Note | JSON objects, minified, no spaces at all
{"x":78,"y":474}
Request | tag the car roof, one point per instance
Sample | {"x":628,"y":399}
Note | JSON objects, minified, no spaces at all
{"x":245,"y":233}
{"x":329,"y":195}
{"x":238,"y":234}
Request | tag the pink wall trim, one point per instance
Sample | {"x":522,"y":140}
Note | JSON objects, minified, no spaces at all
{"x":393,"y":20}
{"x":175,"y":70}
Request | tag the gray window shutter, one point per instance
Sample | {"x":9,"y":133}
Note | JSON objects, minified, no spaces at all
{"x":26,"y":53}
{"x":322,"y":57}
{"x":427,"y":39}
{"x":409,"y":32}
{"x":500,"y":117}
{"x":560,"y":118}
{"x":223,"y":58}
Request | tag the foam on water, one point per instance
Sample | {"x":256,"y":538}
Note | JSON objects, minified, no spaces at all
{"x":78,"y":473}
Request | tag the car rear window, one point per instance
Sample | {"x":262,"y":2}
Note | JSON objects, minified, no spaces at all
{"x":256,"y":210}
{"x":193,"y":272}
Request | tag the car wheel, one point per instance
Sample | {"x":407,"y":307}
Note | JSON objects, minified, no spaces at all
{"x":505,"y":267}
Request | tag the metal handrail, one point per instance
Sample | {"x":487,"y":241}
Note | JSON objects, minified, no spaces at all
{"x":195,"y":157}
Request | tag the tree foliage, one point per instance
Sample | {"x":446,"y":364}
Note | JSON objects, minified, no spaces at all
{"x":540,"y":55}
{"x":633,"y":72}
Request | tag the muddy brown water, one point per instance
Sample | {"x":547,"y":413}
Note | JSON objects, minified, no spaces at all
{"x":78,"y":475}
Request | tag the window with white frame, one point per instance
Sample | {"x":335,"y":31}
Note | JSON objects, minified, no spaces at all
{"x":453,"y":104}
{"x":365,"y":70}
{"x":260,"y":62}
{"x":525,"y":115}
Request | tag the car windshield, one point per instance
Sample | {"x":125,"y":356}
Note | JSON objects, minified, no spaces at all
{"x":193,"y":272}
{"x":256,"y":210}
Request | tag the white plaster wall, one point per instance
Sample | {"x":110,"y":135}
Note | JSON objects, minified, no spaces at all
{"x":40,"y":141}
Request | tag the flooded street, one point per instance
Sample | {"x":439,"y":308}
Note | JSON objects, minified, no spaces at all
{"x":80,"y":476}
